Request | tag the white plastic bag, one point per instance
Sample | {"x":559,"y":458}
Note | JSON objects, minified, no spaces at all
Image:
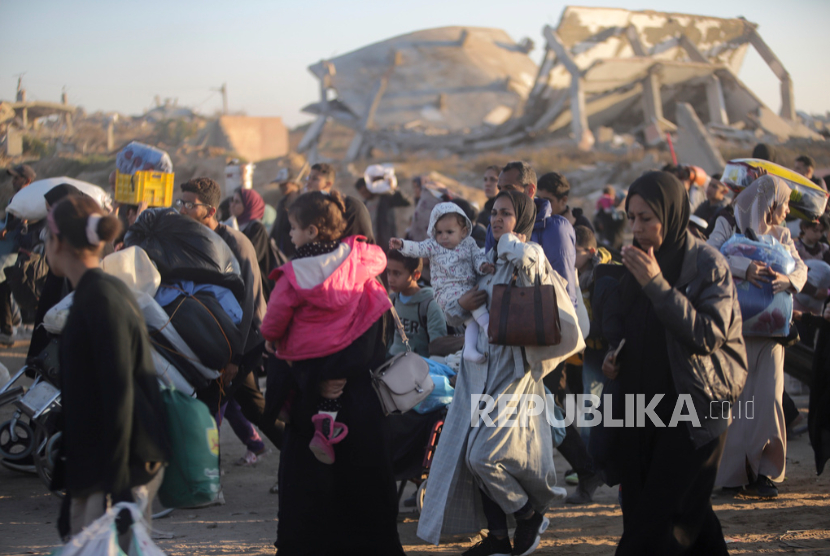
{"x":100,"y":538}
{"x":55,"y":318}
{"x":170,"y":375}
{"x":380,"y":178}
{"x":134,"y":268}
{"x":30,"y":204}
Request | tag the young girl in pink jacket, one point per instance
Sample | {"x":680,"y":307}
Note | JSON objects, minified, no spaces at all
{"x":322,"y":302}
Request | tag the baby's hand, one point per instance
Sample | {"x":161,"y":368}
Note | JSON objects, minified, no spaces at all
{"x":488,"y":268}
{"x":395,"y":243}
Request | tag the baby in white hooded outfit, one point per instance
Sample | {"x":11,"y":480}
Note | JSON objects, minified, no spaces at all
{"x":455,"y":261}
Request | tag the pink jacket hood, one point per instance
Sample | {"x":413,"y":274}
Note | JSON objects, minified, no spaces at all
{"x":322,"y":304}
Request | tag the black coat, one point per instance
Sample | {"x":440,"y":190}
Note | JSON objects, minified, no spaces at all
{"x":112,"y":407}
{"x":819,"y":415}
{"x":355,"y":496}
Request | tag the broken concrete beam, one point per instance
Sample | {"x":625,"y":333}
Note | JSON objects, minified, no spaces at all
{"x":716,"y":102}
{"x":691,"y":49}
{"x":312,"y":135}
{"x":787,"y":96}
{"x":634,"y":40}
{"x":694,"y":145}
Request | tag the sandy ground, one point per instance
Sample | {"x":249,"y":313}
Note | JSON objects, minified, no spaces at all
{"x":797,"y":522}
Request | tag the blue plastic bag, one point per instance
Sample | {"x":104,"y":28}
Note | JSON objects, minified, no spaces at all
{"x":764,"y":313}
{"x":442,"y":395}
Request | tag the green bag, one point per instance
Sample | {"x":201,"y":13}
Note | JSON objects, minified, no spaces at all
{"x":192,"y":476}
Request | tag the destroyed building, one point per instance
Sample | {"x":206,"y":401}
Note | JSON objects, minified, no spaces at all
{"x":467,"y":89}
{"x":251,"y":138}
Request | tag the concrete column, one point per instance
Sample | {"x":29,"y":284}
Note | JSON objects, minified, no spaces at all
{"x":717,"y":104}
{"x":579,"y":116}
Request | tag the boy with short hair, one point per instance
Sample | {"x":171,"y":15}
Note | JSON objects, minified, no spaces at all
{"x":422,"y":318}
{"x":809,"y":243}
{"x":715,"y":201}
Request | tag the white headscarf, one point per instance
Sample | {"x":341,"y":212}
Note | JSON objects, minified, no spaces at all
{"x":754,"y":203}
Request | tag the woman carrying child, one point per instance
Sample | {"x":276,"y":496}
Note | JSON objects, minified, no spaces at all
{"x":489,"y":474}
{"x":325,"y":319}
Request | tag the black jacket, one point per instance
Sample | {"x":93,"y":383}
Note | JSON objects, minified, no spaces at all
{"x":819,"y":415}
{"x":702,"y":320}
{"x":112,"y":407}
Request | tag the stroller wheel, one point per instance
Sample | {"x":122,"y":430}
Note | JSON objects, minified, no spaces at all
{"x":419,"y":496}
{"x":16,"y":443}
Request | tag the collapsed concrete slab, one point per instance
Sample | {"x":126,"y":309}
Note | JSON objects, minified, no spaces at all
{"x":467,"y":89}
{"x":251,"y":138}
{"x":425,"y":87}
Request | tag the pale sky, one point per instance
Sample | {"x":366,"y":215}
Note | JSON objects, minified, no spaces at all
{"x":116,"y":56}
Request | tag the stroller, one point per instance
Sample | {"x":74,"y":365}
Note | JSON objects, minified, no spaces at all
{"x":33,"y":432}
{"x":414,"y":438}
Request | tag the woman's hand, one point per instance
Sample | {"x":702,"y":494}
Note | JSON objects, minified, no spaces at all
{"x":610,"y":367}
{"x":520,"y":237}
{"x":797,"y":315}
{"x":332,"y":389}
{"x":229,"y":374}
{"x":395,"y":243}
{"x":642,"y":265}
{"x":271,"y":347}
{"x":755,"y":273}
{"x":472,"y":300}
{"x":780,"y":283}
{"x":488,"y":268}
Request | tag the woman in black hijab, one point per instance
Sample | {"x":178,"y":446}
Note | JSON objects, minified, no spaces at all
{"x":684,"y":354}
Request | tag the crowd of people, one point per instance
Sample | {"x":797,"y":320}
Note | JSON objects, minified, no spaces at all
{"x":661,"y":320}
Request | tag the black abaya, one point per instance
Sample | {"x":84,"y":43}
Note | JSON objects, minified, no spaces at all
{"x":351,"y":506}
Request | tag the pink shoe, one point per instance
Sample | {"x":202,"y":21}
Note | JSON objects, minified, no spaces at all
{"x":322,"y":445}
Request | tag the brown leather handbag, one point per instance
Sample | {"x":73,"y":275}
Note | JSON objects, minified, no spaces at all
{"x":524,"y":316}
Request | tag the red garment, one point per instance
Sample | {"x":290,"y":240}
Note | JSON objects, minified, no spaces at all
{"x":322,"y":304}
{"x":254,"y":206}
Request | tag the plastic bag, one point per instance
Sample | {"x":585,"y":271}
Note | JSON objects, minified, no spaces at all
{"x":764,"y":313}
{"x":184,"y":249}
{"x":443,"y":393}
{"x":134,"y":268}
{"x":30,"y":204}
{"x":380,"y":178}
{"x":192,"y":475}
{"x":818,"y":275}
{"x":137,"y":157}
{"x":807,"y":200}
{"x":55,"y":318}
{"x":100,"y":538}
{"x":169,"y":374}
